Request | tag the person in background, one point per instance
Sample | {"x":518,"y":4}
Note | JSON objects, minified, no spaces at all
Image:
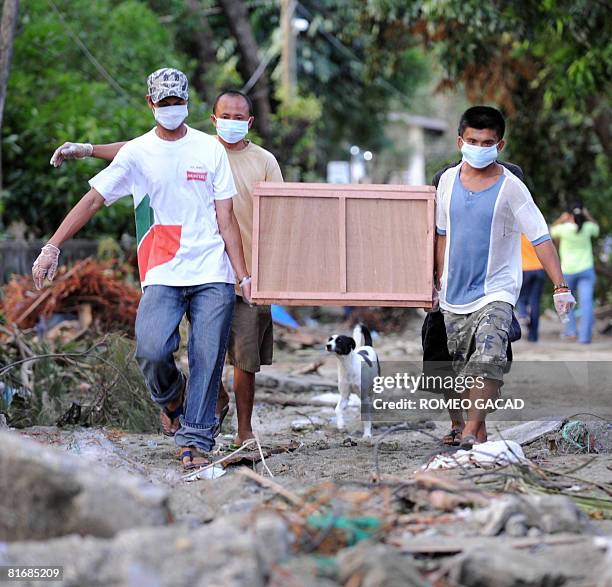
{"x":575,"y":230}
{"x":528,"y":304}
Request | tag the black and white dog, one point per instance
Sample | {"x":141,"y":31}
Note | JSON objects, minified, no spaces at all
{"x":357,"y":364}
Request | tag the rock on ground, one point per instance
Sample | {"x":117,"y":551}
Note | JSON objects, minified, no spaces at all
{"x":46,"y":493}
{"x":378,"y":565}
{"x":221,"y":554}
{"x":504,"y":566}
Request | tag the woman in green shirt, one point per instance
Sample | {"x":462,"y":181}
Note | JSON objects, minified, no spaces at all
{"x":575,"y":230}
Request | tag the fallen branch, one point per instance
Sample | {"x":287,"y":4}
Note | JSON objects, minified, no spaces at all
{"x":273,"y":485}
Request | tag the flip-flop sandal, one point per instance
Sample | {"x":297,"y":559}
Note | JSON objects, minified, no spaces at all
{"x":453,"y":438}
{"x":222,"y":415}
{"x":467,"y":442}
{"x":169,"y":418}
{"x":191,"y":453}
{"x":234,"y":446}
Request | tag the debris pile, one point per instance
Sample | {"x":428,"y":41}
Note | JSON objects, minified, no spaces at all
{"x":102,"y":285}
{"x":91,"y":381}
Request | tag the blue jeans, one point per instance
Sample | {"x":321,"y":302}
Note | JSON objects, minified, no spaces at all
{"x":531,"y":292}
{"x":209,"y":309}
{"x":584,"y":284}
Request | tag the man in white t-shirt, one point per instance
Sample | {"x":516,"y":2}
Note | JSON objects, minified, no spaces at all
{"x":251,"y":339}
{"x":189,"y":254}
{"x":481,"y":211}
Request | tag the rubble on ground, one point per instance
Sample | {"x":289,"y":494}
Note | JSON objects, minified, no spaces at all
{"x":46,"y":493}
{"x":90,"y":290}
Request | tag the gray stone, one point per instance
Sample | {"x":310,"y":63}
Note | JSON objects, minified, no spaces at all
{"x":45,"y":492}
{"x":378,"y":565}
{"x":273,"y":539}
{"x":549,"y":513}
{"x":220,"y":554}
{"x":503,"y":567}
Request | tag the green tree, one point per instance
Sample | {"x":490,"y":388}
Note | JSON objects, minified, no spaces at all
{"x":79,"y":71}
{"x":546,"y":64}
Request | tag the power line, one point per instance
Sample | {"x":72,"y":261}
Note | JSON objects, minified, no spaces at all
{"x":99,"y":67}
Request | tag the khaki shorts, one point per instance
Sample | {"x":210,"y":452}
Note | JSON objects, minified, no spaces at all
{"x":251,"y":339}
{"x":477,"y":342}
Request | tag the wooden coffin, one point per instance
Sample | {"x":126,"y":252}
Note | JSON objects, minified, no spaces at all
{"x":353,"y":245}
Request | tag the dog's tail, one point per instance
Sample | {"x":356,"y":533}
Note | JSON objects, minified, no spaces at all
{"x":362,"y":335}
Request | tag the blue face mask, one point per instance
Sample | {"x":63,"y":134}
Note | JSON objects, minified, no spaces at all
{"x":479,"y":157}
{"x":232,"y":131}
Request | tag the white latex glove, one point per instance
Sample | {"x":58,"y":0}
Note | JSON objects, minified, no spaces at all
{"x":246,"y":291}
{"x":45,"y":265}
{"x":564,"y":303}
{"x":71,"y":151}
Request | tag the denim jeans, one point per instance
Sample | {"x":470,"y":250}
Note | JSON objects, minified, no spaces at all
{"x":209,"y":308}
{"x":584,"y":284}
{"x":531,"y":292}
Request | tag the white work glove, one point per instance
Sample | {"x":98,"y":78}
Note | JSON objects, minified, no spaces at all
{"x":45,"y":265}
{"x":71,"y":151}
{"x":564,"y":303}
{"x":245,"y":286}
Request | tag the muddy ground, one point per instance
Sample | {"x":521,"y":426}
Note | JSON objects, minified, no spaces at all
{"x":326,"y":454}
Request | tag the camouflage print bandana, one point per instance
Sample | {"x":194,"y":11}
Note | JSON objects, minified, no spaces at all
{"x":167,"y":82}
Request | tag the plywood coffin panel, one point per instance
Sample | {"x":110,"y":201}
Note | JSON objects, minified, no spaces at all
{"x":316,"y":244}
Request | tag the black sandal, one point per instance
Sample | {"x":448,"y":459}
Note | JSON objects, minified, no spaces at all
{"x":468,"y":442}
{"x":453,"y":438}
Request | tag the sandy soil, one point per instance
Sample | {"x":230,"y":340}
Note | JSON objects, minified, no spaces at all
{"x":324,"y":454}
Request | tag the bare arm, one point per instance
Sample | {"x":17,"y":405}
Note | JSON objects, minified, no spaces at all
{"x":565,"y":217}
{"x":78,"y":217}
{"x":547,"y":254}
{"x":107,"y":152}
{"x":230,"y":232}
{"x":440,"y":247}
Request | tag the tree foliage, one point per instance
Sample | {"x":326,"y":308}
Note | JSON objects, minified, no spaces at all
{"x":545,"y":63}
{"x":57,"y":94}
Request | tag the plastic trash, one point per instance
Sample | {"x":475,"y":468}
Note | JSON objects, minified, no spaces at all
{"x":213,"y":472}
{"x":488,"y":454}
{"x":281,"y":316}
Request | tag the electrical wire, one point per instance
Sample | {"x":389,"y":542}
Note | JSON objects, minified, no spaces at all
{"x":90,"y":56}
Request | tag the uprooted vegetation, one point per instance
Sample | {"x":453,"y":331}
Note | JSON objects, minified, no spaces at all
{"x":93,"y":381}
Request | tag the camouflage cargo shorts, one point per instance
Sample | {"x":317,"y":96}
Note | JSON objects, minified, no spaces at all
{"x":477,"y":342}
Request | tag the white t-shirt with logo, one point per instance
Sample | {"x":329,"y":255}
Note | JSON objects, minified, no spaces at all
{"x":174,"y":185}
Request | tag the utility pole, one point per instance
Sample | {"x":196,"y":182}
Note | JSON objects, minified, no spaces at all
{"x":288,"y":58}
{"x":10,"y":10}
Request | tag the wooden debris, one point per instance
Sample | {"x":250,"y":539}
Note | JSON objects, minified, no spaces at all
{"x":91,"y":288}
{"x":274,"y":486}
{"x":310,"y":368}
{"x":452,"y":545}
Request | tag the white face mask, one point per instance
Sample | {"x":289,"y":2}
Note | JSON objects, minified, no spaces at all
{"x":232,"y":131}
{"x":171,"y":117}
{"x":479,"y":157}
